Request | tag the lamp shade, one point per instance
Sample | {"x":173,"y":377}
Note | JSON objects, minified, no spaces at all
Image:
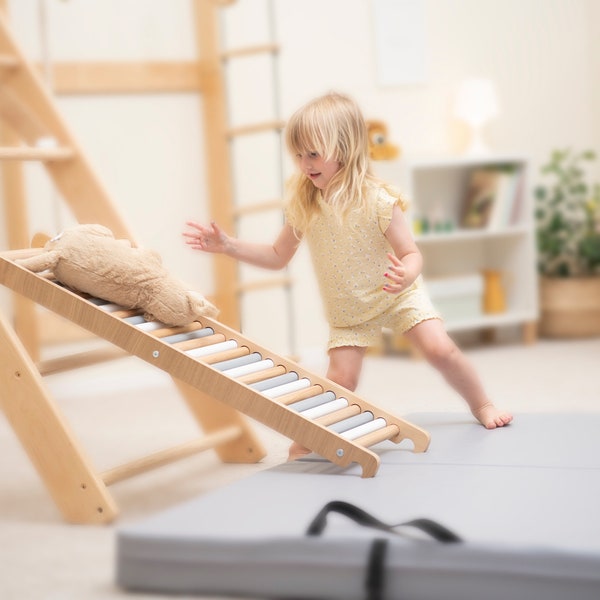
{"x":476,"y":101}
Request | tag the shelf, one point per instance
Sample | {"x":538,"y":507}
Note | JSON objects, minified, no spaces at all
{"x":439,"y":190}
{"x":485,"y":321}
{"x":451,"y":162}
{"x":461,"y":235}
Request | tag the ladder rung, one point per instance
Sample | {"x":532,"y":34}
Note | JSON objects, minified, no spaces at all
{"x":250,"y":50}
{"x":240,"y":211}
{"x":226,"y":355}
{"x":32,"y":153}
{"x":207,"y":340}
{"x":264,"y":285}
{"x":76,"y":361}
{"x":168,"y":331}
{"x":165,"y":457}
{"x":303,"y":394}
{"x":370,"y":439}
{"x":261,"y":375}
{"x":256,"y":128}
{"x":338,"y":415}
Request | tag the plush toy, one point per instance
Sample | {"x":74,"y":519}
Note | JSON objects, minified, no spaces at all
{"x":88,"y":258}
{"x":380,"y":148}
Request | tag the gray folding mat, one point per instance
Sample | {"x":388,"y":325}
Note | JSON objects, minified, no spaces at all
{"x":524,"y":499}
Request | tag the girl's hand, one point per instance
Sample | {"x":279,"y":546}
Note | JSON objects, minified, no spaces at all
{"x":396,"y":276}
{"x":207,"y":239}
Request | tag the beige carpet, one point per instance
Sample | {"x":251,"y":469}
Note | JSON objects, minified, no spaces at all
{"x":124,"y":409}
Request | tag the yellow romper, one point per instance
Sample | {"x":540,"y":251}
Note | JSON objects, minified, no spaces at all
{"x":350,"y":259}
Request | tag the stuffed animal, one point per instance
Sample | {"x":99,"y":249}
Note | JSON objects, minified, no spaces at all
{"x":380,"y":148}
{"x":88,"y":258}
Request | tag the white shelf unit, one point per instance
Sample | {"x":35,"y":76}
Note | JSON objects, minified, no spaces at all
{"x":437,"y":191}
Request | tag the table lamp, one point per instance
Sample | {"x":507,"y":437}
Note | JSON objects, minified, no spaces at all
{"x":476,"y":104}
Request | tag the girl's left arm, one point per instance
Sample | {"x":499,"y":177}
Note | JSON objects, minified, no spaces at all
{"x":406,"y":262}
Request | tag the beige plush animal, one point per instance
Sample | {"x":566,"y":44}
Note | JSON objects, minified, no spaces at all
{"x":89,"y":259}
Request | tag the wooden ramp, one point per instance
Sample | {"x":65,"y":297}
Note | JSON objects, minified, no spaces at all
{"x":219,"y":372}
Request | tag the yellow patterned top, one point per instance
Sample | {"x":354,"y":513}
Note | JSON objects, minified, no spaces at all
{"x":350,"y":260}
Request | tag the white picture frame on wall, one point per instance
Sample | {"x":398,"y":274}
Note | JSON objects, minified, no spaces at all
{"x":400,"y":42}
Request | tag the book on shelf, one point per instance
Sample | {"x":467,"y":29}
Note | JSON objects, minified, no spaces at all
{"x":492,"y":197}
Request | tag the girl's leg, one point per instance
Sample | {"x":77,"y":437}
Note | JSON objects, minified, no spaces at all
{"x":345,"y":364}
{"x":433,"y":342}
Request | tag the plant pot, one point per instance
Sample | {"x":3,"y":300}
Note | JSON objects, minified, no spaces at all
{"x":569,"y":307}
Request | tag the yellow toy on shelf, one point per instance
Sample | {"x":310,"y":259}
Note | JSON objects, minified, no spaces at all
{"x":380,"y":148}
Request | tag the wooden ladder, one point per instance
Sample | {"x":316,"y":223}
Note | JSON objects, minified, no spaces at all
{"x":30,"y":111}
{"x":220,"y":372}
{"x":223,"y":198}
{"x":37,"y":132}
{"x":79,"y":491}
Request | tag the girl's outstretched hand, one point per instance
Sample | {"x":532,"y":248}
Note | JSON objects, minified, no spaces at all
{"x":207,"y":239}
{"x":396,"y":276}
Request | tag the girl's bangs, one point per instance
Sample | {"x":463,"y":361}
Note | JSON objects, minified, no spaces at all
{"x":306,"y":134}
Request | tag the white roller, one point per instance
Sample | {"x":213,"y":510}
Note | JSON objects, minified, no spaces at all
{"x":356,"y":432}
{"x":286,"y":388}
{"x":150,"y":325}
{"x":111,"y":307}
{"x":212,"y":349}
{"x":325,"y":409}
{"x":260,"y":365}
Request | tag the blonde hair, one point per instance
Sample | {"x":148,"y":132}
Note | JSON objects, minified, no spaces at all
{"x":333,"y":126}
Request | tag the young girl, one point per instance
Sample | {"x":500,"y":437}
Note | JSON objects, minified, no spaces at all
{"x":366,"y":261}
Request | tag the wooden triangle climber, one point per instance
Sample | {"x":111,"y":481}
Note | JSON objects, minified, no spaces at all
{"x":220,"y":373}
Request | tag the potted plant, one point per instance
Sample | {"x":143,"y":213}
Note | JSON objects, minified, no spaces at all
{"x":568,"y":242}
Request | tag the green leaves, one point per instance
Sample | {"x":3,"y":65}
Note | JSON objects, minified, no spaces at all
{"x":567,"y":214}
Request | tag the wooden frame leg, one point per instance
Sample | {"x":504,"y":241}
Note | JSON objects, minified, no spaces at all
{"x":79,"y":493}
{"x":15,"y":211}
{"x":213,"y":415}
{"x":530,"y":332}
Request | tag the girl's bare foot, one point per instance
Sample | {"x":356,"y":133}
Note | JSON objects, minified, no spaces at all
{"x":491,"y":417}
{"x":296,"y":450}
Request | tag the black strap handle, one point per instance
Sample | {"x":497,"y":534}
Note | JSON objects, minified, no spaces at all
{"x":434,"y":529}
{"x":375,"y":576}
{"x":375,"y":579}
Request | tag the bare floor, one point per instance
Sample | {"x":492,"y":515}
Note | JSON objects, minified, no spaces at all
{"x":125,"y":409}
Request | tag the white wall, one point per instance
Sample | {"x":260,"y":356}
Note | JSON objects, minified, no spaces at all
{"x":593,"y":16}
{"x":542,"y":54}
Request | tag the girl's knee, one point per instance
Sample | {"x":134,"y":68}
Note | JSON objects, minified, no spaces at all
{"x":345,"y":365}
{"x":434,"y":343}
{"x":440,"y":352}
{"x":344,"y":377}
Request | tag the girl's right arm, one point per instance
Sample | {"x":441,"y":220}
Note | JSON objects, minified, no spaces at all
{"x":269,"y":256}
